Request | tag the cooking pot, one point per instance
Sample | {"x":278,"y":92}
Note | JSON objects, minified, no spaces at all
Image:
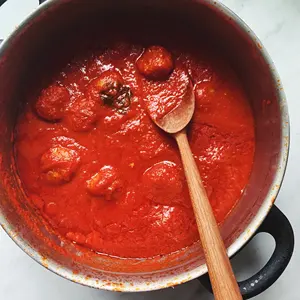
{"x":32,"y":48}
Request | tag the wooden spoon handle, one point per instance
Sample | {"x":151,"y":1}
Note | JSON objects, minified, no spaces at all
{"x":220,"y":272}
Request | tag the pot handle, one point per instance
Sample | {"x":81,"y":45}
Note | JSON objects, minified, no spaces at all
{"x":277,"y":225}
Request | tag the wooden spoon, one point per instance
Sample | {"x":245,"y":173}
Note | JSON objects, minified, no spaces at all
{"x":220,"y":271}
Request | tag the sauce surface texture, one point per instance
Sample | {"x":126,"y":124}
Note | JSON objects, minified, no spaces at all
{"x":105,"y":177}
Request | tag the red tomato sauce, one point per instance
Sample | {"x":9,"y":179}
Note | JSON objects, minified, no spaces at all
{"x":104,"y":176}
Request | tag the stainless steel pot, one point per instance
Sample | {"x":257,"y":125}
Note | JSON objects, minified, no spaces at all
{"x":28,"y":48}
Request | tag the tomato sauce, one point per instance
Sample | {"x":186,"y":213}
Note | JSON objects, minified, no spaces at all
{"x":104,"y":176}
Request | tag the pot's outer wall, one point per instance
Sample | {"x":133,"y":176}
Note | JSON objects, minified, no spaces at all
{"x":25,"y":55}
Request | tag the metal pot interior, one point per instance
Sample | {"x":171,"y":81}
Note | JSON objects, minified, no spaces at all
{"x":26,"y":61}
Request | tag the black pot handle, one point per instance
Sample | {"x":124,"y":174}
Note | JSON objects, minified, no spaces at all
{"x":280,"y":228}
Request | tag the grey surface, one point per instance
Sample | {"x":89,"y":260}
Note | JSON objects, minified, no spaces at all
{"x":277,"y":24}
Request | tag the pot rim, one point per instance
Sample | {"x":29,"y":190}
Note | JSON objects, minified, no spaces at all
{"x":172,"y":280}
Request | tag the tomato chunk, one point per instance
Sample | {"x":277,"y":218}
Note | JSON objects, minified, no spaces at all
{"x":107,"y":86}
{"x":155,"y":63}
{"x":52,"y":102}
{"x":83,"y":115}
{"x":59,"y":164}
{"x":105,"y":183}
{"x":163,"y":183}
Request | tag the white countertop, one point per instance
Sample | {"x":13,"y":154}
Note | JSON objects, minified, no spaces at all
{"x":277,"y":24}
